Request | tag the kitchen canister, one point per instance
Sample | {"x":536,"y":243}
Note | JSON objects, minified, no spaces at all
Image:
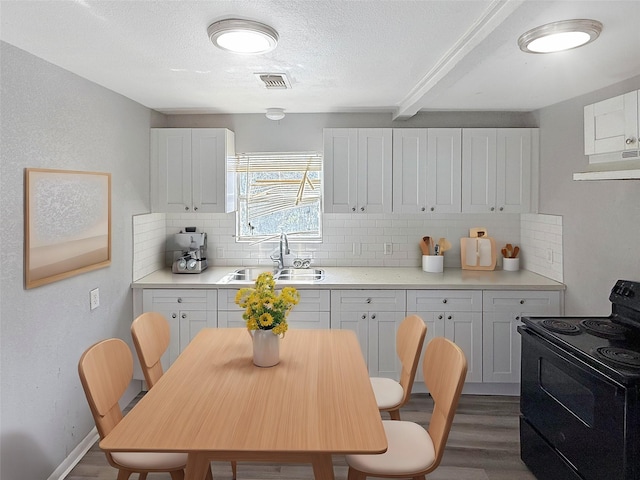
{"x":433,"y":263}
{"x":511,"y":264}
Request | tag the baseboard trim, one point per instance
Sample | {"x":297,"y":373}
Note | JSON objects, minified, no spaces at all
{"x":75,"y":456}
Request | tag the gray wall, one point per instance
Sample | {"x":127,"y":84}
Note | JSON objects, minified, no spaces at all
{"x":601,"y":219}
{"x":53,"y":119}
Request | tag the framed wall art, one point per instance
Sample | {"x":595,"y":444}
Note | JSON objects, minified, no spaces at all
{"x":67,"y":224}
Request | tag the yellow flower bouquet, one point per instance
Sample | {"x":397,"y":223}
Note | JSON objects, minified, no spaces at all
{"x":265,"y":309}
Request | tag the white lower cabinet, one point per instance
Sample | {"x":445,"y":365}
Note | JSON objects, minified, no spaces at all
{"x":456,"y":315}
{"x":502,"y":313}
{"x":188,"y":311}
{"x":313,"y":310}
{"x":374,"y":315}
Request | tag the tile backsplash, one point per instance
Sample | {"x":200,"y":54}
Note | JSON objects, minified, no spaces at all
{"x":355,"y":240}
{"x":541,"y":245}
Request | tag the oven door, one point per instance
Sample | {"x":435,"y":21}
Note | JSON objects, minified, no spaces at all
{"x":578,"y":411}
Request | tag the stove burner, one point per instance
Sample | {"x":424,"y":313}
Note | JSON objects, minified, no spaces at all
{"x":560,"y":326}
{"x":603,"y":328}
{"x":620,"y":356}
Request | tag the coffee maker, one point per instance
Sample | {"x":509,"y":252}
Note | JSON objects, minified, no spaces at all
{"x":193,"y":256}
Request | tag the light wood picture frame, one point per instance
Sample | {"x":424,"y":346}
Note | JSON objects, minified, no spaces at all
{"x":67,"y":224}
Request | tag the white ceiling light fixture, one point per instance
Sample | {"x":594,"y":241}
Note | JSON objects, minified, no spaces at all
{"x":559,"y":36}
{"x":243,"y":36}
{"x":275,"y":113}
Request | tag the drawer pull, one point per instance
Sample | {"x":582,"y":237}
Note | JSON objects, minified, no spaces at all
{"x":364,"y":315}
{"x":179,"y":299}
{"x":373,"y":317}
{"x":444,"y":300}
{"x":449,"y":317}
{"x":521,"y":302}
{"x":439,"y":317}
{"x":184,"y":315}
{"x":368,"y":300}
{"x":173,"y":315}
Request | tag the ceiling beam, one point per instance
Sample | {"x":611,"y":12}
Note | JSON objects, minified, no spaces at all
{"x":496,"y":13}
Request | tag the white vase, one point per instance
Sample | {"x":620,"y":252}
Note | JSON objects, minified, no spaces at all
{"x":266,"y":348}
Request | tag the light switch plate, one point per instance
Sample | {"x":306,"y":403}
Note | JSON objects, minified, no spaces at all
{"x":94,"y":298}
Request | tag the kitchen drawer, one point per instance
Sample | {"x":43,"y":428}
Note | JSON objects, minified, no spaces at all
{"x":154,"y":299}
{"x":368,"y":300}
{"x":444,"y":300}
{"x":310,"y":301}
{"x":537,"y":302}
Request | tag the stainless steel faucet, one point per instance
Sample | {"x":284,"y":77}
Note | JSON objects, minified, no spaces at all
{"x":284,"y":250}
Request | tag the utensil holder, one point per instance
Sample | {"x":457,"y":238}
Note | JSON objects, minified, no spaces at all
{"x":433,"y":263}
{"x":511,"y":264}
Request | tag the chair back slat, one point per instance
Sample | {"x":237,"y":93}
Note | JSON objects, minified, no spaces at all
{"x":445,"y":369}
{"x":106,"y":370}
{"x":409,"y":341}
{"x":151,"y":335}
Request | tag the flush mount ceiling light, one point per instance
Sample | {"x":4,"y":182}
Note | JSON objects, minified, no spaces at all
{"x":275,"y":113}
{"x":558,"y":36}
{"x":243,"y":36}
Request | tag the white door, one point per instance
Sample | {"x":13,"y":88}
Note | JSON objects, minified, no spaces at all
{"x":444,"y":182}
{"x":340,"y":170}
{"x":611,"y":125}
{"x":513,"y":169}
{"x":374,"y":170}
{"x":174,"y":169}
{"x":409,"y":170}
{"x":478,"y":170}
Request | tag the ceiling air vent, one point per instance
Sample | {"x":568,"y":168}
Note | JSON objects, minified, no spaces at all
{"x":273,"y":81}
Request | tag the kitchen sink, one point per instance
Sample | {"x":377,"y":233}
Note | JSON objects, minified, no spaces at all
{"x":299,"y":275}
{"x":285,"y":275}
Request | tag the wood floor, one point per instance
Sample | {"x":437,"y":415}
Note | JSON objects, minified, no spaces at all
{"x":483,"y":445}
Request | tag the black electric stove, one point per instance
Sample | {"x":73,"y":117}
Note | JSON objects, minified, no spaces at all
{"x":580,"y":392}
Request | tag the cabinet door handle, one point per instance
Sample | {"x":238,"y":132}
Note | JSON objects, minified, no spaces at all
{"x":195,"y":209}
{"x":173,"y":315}
{"x":492,"y":209}
{"x":424,"y":209}
{"x":373,"y":316}
{"x":439,"y":317}
{"x":364,"y":315}
{"x":186,"y":208}
{"x":353,"y":209}
{"x":521,"y":302}
{"x":368,"y":300}
{"x":179,"y":299}
{"x":184,"y":315}
{"x":433,"y":209}
{"x":501,"y":208}
{"x":449,"y":317}
{"x":444,"y":300}
{"x":517,"y":317}
{"x":362,"y":209}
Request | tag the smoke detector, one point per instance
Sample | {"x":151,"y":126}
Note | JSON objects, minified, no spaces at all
{"x":273,"y":81}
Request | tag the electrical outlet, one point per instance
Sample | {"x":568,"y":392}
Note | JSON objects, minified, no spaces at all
{"x":94,"y":298}
{"x":388,"y":248}
{"x":549,"y":255}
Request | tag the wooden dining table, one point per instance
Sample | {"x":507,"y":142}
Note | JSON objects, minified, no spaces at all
{"x":215,"y":404}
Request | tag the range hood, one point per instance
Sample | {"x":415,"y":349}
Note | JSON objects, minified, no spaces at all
{"x":607,"y":167}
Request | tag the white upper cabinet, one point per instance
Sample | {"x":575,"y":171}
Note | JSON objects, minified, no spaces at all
{"x":189,"y":170}
{"x":497,"y":169}
{"x":357,"y":170}
{"x":427,"y":170}
{"x":612,"y":125}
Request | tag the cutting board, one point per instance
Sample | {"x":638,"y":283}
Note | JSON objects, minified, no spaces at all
{"x":478,"y":253}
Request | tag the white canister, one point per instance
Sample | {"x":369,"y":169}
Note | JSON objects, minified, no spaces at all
{"x":511,"y":264}
{"x":433,"y":263}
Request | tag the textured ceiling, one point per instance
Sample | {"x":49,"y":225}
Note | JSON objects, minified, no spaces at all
{"x":395,"y":56}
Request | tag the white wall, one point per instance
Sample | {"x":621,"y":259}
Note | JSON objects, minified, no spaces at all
{"x":601,"y":219}
{"x":53,"y":119}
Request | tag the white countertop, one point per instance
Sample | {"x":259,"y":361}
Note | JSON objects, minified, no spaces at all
{"x":369,"y":277}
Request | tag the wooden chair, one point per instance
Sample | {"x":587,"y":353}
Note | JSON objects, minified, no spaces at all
{"x":414,"y":452}
{"x":151,"y":334}
{"x":106,"y":369}
{"x":392,"y":395}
